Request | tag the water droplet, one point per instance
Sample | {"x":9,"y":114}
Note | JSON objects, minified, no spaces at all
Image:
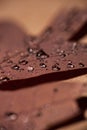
{"x":32,"y":50}
{"x":4,"y":79}
{"x":81,"y":64}
{"x":41,"y":54}
{"x":56,"y":67}
{"x":15,"y":67}
{"x":61,"y":53}
{"x":23,"y":62}
{"x":9,"y":61}
{"x":2,"y":128}
{"x":42,"y":65}
{"x":30,"y":68}
{"x":70,"y":65}
{"x":24,"y":55}
{"x":11,"y":116}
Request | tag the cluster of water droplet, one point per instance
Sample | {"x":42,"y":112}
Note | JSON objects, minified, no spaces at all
{"x":34,"y":51}
{"x":61,"y":53}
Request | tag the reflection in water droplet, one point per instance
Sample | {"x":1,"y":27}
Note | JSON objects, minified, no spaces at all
{"x":55,"y":67}
{"x":70,"y":65}
{"x":81,"y":64}
{"x":23,"y":62}
{"x":11,"y":115}
{"x":15,"y":67}
{"x":42,"y":65}
{"x":30,"y":69}
{"x":41,"y":54}
{"x":30,"y":50}
{"x":2,"y":128}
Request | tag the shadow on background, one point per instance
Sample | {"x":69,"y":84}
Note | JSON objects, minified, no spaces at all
{"x":82,"y":103}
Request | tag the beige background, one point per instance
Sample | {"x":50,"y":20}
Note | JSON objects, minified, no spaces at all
{"x":35,"y":15}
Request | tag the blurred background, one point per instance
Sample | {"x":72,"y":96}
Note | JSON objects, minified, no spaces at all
{"x":34,"y":15}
